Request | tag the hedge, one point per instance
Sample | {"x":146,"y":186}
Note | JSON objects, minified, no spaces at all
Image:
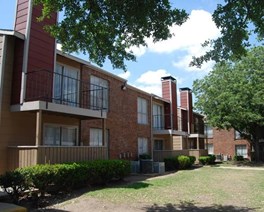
{"x":205,"y":160}
{"x":62,"y":177}
{"x":238,"y":158}
{"x":179,"y":162}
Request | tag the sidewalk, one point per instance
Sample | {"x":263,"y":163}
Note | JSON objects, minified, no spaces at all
{"x":242,"y":168}
{"x":6,"y":207}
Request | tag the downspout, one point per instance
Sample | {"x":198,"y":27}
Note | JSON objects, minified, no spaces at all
{"x":151,"y":126}
{"x":25,"y":54}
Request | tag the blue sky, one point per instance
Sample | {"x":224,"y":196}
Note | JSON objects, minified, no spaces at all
{"x":169,"y":57}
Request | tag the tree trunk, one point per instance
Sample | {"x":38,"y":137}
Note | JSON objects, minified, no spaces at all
{"x":259,"y":135}
{"x":256,"y":150}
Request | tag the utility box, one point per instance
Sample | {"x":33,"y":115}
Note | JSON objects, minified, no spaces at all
{"x":159,"y":167}
{"x":146,"y":166}
{"x":135,"y":166}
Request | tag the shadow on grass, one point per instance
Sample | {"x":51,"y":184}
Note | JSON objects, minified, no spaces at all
{"x":190,"y":206}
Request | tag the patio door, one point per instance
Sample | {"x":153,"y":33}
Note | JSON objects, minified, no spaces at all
{"x":66,"y":86}
{"x":157,"y":117}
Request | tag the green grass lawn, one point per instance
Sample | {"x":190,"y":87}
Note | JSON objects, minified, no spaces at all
{"x":207,"y":187}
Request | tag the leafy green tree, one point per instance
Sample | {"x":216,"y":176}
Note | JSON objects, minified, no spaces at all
{"x":108,"y":28}
{"x":237,"y":19}
{"x":232,"y":96}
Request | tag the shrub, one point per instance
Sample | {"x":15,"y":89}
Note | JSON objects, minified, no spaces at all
{"x":184,"y":162}
{"x":192,"y":159}
{"x":205,"y":160}
{"x":179,"y":162}
{"x":14,"y":184}
{"x":212,"y":159}
{"x":171,"y":163}
{"x":63,"y":177}
{"x":238,"y":158}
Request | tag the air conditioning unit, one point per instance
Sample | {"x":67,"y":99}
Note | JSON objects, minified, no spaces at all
{"x":159,"y":167}
{"x":134,"y":166}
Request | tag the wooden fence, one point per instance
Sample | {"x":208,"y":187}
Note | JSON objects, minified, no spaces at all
{"x":22,"y":156}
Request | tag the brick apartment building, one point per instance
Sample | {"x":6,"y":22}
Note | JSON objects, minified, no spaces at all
{"x":56,"y":107}
{"x":227,"y":143}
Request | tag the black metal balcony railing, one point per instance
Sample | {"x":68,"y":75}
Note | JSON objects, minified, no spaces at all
{"x":169,"y":121}
{"x":53,"y":87}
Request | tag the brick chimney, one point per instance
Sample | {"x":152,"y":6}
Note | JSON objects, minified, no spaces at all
{"x":169,"y":92}
{"x":186,"y":103}
{"x":39,"y":47}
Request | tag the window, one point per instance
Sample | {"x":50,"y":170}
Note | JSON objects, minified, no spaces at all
{"x":98,"y":93}
{"x":210,"y":148}
{"x":96,"y":137}
{"x":241,"y":150}
{"x":158,"y":145}
{"x":66,"y":86}
{"x":157,"y":116}
{"x":142,"y":146}
{"x":142,"y":111}
{"x":55,"y":135}
{"x":208,"y":131}
{"x":237,"y":135}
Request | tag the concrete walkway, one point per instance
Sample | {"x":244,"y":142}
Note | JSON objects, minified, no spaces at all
{"x":6,"y":207}
{"x":242,"y":168}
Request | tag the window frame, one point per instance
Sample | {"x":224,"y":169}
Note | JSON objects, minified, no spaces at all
{"x":62,"y":76}
{"x":158,"y":119}
{"x":161,"y":144}
{"x":142,"y":111}
{"x":60,"y":127}
{"x":95,"y":101}
{"x":245,"y":155}
{"x":211,"y":129}
{"x":107,"y":134}
{"x":237,"y":135}
{"x":142,"y":145}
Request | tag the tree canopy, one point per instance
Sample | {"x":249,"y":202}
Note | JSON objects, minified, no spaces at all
{"x":232,"y":95}
{"x":108,"y":28}
{"x":237,"y":20}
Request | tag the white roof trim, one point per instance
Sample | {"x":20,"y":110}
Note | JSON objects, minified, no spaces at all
{"x":12,"y":33}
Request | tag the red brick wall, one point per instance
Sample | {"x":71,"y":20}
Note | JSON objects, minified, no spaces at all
{"x":224,"y":142}
{"x":121,"y":119}
{"x":169,"y":92}
{"x":186,"y":102}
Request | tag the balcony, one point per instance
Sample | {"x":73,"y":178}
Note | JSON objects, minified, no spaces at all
{"x":63,"y":93}
{"x":169,"y":124}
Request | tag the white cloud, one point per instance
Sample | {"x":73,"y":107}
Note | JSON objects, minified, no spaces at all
{"x":198,"y":28}
{"x":138,"y":51}
{"x":124,"y":75}
{"x":187,"y":39}
{"x":150,"y":81}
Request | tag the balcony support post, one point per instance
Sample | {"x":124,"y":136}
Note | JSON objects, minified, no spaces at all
{"x":38,"y":127}
{"x":198,"y":143}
